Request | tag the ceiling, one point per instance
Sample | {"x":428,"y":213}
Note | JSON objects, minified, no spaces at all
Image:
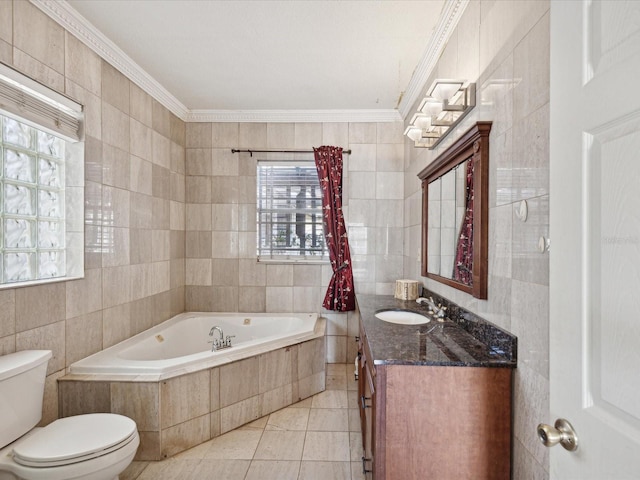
{"x":271,"y":55}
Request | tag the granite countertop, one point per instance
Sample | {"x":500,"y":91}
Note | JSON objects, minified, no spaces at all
{"x":462,"y":339}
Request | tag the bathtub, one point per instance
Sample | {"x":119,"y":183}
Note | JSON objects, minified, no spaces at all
{"x":181,"y":394}
{"x":182,"y":344}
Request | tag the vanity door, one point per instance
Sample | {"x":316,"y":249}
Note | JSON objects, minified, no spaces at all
{"x":369,"y":409}
{"x":366,"y":404}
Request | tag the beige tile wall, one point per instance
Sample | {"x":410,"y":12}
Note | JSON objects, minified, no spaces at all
{"x":134,"y":206}
{"x":222,"y":271}
{"x":135,"y":196}
{"x":178,"y":413}
{"x":145,"y":195}
{"x":504,"y":48}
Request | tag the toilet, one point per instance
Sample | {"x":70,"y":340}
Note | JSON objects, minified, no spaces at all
{"x":97,"y":446}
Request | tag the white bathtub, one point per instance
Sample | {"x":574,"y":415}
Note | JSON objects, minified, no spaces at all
{"x":181,"y":344}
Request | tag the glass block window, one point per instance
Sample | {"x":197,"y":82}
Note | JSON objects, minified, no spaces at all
{"x":32,"y":203}
{"x":41,"y":183}
{"x":289,"y":211}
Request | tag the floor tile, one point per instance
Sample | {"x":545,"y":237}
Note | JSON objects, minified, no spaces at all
{"x":352,"y":399}
{"x":336,"y":382}
{"x":355,"y":446}
{"x":356,"y":471}
{"x":289,"y":419}
{"x":330,"y":399}
{"x":133,"y":471}
{"x":329,"y":420}
{"x":354,"y":420}
{"x":273,"y":470}
{"x":335,"y":369}
{"x":221,"y":469}
{"x":170,"y":469}
{"x":234,"y":445}
{"x":325,"y":471}
{"x":280,"y":445}
{"x":326,"y":446}
{"x":195,"y":453}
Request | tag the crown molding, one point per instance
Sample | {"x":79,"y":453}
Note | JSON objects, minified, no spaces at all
{"x":293,"y":116}
{"x":451,"y":13}
{"x":80,"y":27}
{"x":65,"y":15}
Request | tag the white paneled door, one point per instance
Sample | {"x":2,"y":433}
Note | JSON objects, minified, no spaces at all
{"x":595,"y":237}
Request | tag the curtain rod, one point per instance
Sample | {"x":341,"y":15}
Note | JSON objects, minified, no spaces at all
{"x":251,"y":152}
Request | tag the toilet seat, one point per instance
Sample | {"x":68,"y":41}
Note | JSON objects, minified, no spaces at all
{"x":75,"y":439}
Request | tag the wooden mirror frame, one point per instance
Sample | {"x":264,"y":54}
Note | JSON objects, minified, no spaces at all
{"x":474,"y":145}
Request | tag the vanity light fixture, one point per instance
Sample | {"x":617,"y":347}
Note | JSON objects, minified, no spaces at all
{"x":446,"y":104}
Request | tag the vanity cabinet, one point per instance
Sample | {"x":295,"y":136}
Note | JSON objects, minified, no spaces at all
{"x":422,"y":422}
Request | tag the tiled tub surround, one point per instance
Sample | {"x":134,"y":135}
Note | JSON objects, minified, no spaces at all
{"x":462,"y":339}
{"x":183,"y":344}
{"x":178,"y":413}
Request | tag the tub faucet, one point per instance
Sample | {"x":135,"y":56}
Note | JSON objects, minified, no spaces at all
{"x":218,"y":329}
{"x":216,"y":343}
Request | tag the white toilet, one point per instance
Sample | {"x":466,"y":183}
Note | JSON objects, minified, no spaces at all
{"x":97,"y":446}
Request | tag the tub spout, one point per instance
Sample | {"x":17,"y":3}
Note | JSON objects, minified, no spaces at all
{"x":216,"y":343}
{"x":218,"y":329}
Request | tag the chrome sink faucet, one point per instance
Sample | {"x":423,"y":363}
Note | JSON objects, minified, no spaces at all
{"x":436,"y":310}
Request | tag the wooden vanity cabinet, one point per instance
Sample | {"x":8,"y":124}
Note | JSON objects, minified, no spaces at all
{"x":422,"y":422}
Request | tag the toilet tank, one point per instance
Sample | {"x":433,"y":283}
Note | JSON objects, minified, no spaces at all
{"x":22,"y":376}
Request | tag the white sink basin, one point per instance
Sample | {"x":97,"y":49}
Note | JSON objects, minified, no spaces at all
{"x":402,"y":317}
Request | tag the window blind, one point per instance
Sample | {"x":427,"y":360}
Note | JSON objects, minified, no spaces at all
{"x":38,"y":105}
{"x":289,"y":210}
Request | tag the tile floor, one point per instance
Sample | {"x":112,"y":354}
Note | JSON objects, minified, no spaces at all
{"x":315,"y":439}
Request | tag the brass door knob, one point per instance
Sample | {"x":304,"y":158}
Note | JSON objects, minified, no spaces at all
{"x":562,"y":432}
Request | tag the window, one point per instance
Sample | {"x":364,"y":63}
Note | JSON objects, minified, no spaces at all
{"x":41,"y":174}
{"x":289,"y":212}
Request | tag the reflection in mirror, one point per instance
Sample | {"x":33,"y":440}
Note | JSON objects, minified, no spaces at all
{"x":447,"y":204}
{"x":455,"y":213}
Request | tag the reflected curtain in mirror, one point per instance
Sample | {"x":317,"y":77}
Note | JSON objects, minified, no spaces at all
{"x":463,"y":269}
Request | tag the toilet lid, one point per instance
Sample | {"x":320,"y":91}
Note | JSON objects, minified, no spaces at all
{"x":73,"y":439}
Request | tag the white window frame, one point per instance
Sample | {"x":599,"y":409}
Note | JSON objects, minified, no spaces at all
{"x":40,"y":109}
{"x":268,"y":206}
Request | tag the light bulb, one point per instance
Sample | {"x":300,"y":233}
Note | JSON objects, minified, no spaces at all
{"x":430,"y":106}
{"x":414,"y":133}
{"x":421,"y":121}
{"x":445,"y":89}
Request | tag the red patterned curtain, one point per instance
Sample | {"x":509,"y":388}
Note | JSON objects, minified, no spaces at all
{"x":462,"y":270}
{"x":340,"y":294}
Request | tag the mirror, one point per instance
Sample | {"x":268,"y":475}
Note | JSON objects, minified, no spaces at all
{"x":455,"y":213}
{"x":446,"y":205}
